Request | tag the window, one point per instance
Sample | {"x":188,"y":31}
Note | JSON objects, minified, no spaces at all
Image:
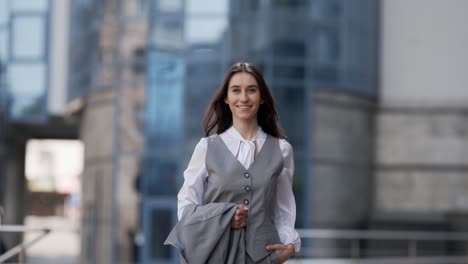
{"x":29,"y":6}
{"x":28,"y":37}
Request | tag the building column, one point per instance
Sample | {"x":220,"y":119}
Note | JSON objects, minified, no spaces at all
{"x":14,"y":195}
{"x":342,"y":175}
{"x":422,"y":126}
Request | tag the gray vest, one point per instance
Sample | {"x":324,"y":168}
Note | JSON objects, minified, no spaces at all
{"x":230,"y":181}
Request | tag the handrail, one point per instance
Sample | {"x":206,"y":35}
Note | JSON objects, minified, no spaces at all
{"x":23,"y":245}
{"x":389,"y":260}
{"x":382,"y":234}
{"x":411,"y":237}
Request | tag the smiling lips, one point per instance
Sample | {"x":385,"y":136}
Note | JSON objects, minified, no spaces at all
{"x":244,"y":106}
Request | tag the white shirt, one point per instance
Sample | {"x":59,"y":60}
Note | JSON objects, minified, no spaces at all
{"x":285,"y":207}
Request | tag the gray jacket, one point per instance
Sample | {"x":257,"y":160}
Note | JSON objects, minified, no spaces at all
{"x":204,"y":235}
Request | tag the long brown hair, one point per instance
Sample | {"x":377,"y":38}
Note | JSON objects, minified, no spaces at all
{"x":219,"y":115}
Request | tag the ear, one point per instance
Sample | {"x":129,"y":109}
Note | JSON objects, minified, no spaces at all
{"x":225,"y":100}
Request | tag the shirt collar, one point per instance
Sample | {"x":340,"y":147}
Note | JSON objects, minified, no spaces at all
{"x":234,"y":134}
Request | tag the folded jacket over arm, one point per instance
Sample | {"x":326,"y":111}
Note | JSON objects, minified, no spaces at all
{"x":204,"y":235}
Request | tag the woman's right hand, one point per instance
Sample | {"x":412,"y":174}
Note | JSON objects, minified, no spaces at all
{"x":239,"y":220}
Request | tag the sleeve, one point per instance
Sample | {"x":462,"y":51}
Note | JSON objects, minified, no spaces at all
{"x":285,"y":208}
{"x":194,"y":177}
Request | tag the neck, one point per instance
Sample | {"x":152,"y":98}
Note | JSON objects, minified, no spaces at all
{"x":248,"y":130}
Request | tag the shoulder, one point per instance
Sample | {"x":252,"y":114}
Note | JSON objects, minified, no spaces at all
{"x":285,"y":147}
{"x":209,"y":139}
{"x":206,"y":141}
{"x":202,"y":144}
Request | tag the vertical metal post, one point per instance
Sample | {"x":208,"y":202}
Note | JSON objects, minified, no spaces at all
{"x":466,"y":251}
{"x":117,"y":83}
{"x":412,"y":250}
{"x":21,"y":256}
{"x":3,"y":113}
{"x":355,"y":248}
{"x":309,"y":122}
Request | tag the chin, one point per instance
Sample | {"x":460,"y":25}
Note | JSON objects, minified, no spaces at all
{"x":246,"y":117}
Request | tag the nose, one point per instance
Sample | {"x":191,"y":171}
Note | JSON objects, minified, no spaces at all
{"x":244,"y":96}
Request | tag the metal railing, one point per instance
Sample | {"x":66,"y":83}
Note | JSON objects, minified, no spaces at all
{"x":359,"y":241}
{"x":20,"y":249}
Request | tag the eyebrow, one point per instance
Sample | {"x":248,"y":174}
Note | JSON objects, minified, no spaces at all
{"x":238,"y":86}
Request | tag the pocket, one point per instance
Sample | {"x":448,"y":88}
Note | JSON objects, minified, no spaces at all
{"x":269,"y":236}
{"x":274,"y":259}
{"x":264,"y":239}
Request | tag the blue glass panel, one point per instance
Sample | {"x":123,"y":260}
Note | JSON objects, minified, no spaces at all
{"x":168,"y":33}
{"x":205,"y":30}
{"x":27,"y":90}
{"x":326,"y":47}
{"x":4,"y":12}
{"x":165,"y":102}
{"x":207,"y":7}
{"x":3,"y":45}
{"x":84,"y":42}
{"x":170,"y":6}
{"x":162,"y":218}
{"x":325,"y":8}
{"x":206,"y":21}
{"x":28,"y":5}
{"x":342,"y":46}
{"x":164,"y":122}
{"x":159,"y":214}
{"x":28,"y":37}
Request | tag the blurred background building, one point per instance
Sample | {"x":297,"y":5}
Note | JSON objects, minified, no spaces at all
{"x":371,"y":93}
{"x":33,"y":76}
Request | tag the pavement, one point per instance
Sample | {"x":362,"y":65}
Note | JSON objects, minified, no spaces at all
{"x":60,"y":246}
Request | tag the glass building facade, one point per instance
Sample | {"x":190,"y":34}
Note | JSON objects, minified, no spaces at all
{"x":3,"y":102}
{"x":24,"y":41}
{"x":84,"y":64}
{"x":303,"y":47}
{"x":24,"y":67}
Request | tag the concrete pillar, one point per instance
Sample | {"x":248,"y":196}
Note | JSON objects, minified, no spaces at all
{"x":113,"y":139}
{"x":59,"y":57}
{"x":97,"y":134}
{"x":343,"y":154}
{"x":100,"y":223}
{"x":14,"y":195}
{"x":422,"y":129}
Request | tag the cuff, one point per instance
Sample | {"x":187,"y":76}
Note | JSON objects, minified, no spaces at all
{"x":297,"y":245}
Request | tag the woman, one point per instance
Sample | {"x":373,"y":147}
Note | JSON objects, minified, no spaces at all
{"x":237,"y":203}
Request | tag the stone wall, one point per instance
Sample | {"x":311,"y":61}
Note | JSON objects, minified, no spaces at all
{"x":422,"y":130}
{"x":342,"y":159}
{"x":342,"y":172}
{"x":422,"y":157}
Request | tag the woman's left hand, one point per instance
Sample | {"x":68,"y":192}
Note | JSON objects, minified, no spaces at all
{"x":284,"y":252}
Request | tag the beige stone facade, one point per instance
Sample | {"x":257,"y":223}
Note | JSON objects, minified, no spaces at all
{"x":111,"y":131}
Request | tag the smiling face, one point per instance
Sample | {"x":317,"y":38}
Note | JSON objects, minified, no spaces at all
{"x":243,"y":97}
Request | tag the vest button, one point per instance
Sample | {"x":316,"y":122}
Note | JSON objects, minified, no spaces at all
{"x":246,"y":175}
{"x":247,"y":188}
{"x":246,"y":202}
